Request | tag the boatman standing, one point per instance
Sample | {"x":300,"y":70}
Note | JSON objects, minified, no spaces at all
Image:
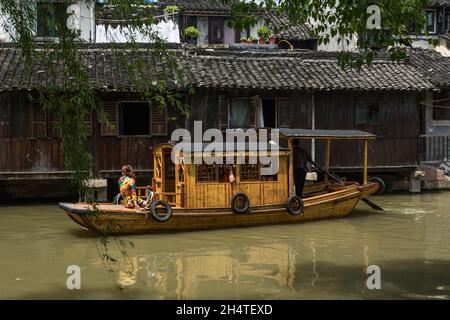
{"x":301,"y":159}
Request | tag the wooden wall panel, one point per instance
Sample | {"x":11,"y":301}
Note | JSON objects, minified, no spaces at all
{"x":31,"y":155}
{"x":398,"y":129}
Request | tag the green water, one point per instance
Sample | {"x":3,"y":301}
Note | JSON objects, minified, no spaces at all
{"x":410,"y":242}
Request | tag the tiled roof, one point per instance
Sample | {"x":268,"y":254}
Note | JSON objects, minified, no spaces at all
{"x":299,"y":70}
{"x":440,"y":3}
{"x":106,"y":70}
{"x":200,"y":5}
{"x":284,"y":29}
{"x":434,"y":66}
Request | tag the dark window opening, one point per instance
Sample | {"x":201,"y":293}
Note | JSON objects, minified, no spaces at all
{"x":447,"y":22}
{"x":216,"y":30}
{"x":367,"y":114}
{"x":441,"y":111}
{"x":51,"y":19}
{"x":430,"y":25}
{"x":269,"y":113}
{"x":134,"y":119}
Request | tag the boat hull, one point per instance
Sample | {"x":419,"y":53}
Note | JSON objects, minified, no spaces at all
{"x":117,"y":220}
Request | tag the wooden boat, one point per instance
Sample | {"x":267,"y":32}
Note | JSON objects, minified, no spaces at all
{"x":200,"y":195}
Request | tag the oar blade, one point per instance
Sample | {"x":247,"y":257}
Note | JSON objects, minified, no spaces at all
{"x":372,"y":204}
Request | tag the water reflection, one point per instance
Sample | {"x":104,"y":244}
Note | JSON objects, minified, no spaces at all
{"x":319,"y":260}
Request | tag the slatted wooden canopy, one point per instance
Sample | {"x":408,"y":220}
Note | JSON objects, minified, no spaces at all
{"x":328,"y":136}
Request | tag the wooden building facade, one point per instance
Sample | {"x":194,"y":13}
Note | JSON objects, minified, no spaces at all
{"x":233,"y":89}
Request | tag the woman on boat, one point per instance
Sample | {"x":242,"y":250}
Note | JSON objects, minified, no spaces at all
{"x":127,"y":186}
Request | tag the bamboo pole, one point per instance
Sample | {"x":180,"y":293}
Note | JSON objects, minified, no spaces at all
{"x":327,"y":157}
{"x":291,"y":168}
{"x":366,"y":151}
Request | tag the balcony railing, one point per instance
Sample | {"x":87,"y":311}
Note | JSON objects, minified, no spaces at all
{"x":435,"y":148}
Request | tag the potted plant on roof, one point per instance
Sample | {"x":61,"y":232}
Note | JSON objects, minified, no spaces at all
{"x":272,"y":39}
{"x":263,"y":34}
{"x":253,"y":40}
{"x":244,"y":40}
{"x":192,"y":34}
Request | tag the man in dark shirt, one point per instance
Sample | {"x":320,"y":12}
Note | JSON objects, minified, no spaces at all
{"x":301,"y":159}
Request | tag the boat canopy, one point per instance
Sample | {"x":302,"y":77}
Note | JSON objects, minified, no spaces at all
{"x":327,"y":134}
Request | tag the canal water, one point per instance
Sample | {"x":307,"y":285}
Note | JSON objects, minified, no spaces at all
{"x":410,"y":242}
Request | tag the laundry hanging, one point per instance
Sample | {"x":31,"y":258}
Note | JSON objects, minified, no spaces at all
{"x":167,"y":31}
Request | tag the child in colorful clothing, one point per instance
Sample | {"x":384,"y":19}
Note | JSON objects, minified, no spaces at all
{"x":127,"y":186}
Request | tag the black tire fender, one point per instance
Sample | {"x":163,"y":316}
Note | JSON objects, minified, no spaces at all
{"x":381,"y":183}
{"x":234,"y":203}
{"x":158,"y":217}
{"x":301,"y":207}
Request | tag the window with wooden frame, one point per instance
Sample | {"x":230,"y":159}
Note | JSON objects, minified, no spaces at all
{"x":53,"y":124}
{"x":275,"y":113}
{"x":5,"y":128}
{"x":134,"y":118}
{"x":214,"y":173}
{"x":39,"y":121}
{"x":159,"y":121}
{"x":238,"y":112}
{"x":111,"y":110}
{"x":284,"y":112}
{"x":250,"y":172}
{"x":45,"y":124}
{"x":207,"y":173}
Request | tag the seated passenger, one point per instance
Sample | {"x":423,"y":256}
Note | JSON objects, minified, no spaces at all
{"x":127,"y":186}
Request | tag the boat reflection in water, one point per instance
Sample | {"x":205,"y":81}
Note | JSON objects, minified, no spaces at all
{"x":281,"y":266}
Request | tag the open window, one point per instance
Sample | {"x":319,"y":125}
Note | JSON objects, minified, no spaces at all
{"x":268,"y":116}
{"x":134,"y":119}
{"x":238,"y":112}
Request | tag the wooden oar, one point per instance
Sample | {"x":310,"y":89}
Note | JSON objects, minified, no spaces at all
{"x":339,"y":180}
{"x":372,"y":204}
{"x":332,"y":176}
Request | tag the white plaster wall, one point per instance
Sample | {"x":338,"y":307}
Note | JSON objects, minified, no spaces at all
{"x":4,"y":36}
{"x":335,"y":45}
{"x":84,"y":19}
